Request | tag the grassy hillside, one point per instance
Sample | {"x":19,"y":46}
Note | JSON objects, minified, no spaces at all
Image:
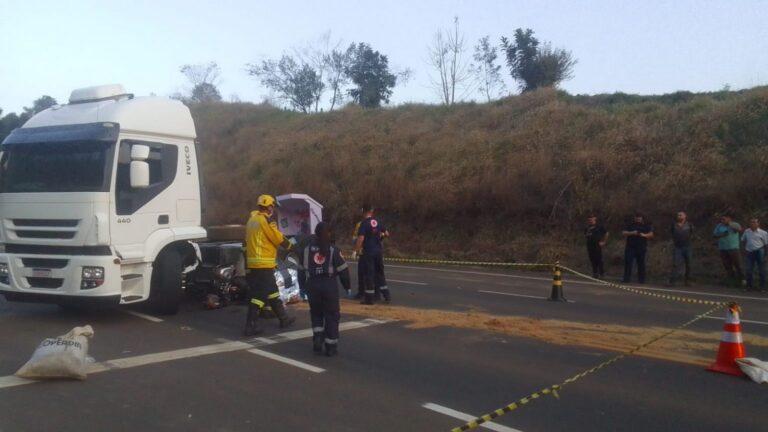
{"x":510,"y":180}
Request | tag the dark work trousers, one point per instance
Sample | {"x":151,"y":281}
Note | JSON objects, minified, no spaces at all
{"x":374,"y":275}
{"x":681,"y":255}
{"x":324,"y":307}
{"x":595,"y":253}
{"x":632,"y":255}
{"x":262,"y":286}
{"x":756,"y":259}
{"x":732,"y":264}
{"x":360,"y":276}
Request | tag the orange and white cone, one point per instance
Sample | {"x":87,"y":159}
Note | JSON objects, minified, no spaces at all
{"x":731,"y":344}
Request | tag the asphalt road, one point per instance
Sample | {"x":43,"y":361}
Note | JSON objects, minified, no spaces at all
{"x":193,"y":372}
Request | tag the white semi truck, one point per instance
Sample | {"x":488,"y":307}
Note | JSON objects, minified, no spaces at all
{"x":99,"y":199}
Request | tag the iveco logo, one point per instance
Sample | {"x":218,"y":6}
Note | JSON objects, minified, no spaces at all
{"x":188,"y":160}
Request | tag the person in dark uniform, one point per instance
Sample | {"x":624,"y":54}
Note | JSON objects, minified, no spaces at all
{"x":637,"y":233}
{"x":596,"y":236}
{"x":369,"y":242}
{"x":321,"y":264}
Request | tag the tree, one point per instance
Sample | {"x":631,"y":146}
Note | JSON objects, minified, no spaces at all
{"x":487,"y":72}
{"x":204,"y":78}
{"x":298,"y":84}
{"x":535,"y":67}
{"x":369,"y":72}
{"x":337,"y":62}
{"x":446,"y":56}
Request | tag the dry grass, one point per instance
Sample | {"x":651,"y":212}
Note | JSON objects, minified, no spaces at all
{"x":510,"y":180}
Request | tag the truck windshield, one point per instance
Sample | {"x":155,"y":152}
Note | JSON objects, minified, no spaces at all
{"x":79,"y":166}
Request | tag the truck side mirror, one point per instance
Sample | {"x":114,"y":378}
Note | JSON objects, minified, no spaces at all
{"x":139,"y":174}
{"x":139,"y":152}
{"x":139,"y":166}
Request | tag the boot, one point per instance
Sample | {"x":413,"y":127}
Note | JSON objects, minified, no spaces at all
{"x":252,"y":321}
{"x":367,"y":299}
{"x":387,"y":296}
{"x":331,"y":350}
{"x":317,"y":343}
{"x":282,"y":314}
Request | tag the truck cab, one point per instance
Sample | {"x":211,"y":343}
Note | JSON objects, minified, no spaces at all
{"x":99,"y":199}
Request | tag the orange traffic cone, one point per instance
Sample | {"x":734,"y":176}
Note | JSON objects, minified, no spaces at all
{"x":731,"y":345}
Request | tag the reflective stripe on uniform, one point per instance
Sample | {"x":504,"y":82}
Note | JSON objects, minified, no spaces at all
{"x":317,"y":329}
{"x":384,"y":288}
{"x":342,"y":267}
{"x":257,"y":302}
{"x":330,"y":262}
{"x":254,"y":262}
{"x":331,"y":341}
{"x":306,"y":263}
{"x":274,"y":295}
{"x":370,"y":291}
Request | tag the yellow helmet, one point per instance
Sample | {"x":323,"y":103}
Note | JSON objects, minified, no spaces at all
{"x":266,"y":201}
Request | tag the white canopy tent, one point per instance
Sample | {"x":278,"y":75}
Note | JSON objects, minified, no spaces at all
{"x":298,"y":214}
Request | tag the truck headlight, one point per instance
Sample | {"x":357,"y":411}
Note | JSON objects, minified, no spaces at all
{"x":4,"y":274}
{"x":92,"y":277}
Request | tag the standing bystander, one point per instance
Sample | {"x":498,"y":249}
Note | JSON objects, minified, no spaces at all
{"x":681,"y":231}
{"x":727,"y":235}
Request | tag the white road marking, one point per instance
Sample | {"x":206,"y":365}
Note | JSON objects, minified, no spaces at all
{"x":286,"y":360}
{"x":511,"y":294}
{"x":406,"y":282}
{"x":223,"y":347}
{"x":518,"y":295}
{"x":467,"y":417}
{"x":742,"y":320}
{"x":145,"y":316}
{"x":570,"y":280}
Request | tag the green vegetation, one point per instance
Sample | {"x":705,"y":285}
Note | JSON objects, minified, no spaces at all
{"x":509,"y":180}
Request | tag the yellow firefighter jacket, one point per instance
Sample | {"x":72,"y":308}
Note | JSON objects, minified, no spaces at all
{"x":262,"y":238}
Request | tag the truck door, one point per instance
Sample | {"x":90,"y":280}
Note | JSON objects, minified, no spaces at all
{"x":139,"y":212}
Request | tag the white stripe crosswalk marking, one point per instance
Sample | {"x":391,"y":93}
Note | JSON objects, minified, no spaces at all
{"x":467,"y":417}
{"x":286,"y":360}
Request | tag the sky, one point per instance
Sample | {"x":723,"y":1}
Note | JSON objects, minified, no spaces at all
{"x":646,"y":47}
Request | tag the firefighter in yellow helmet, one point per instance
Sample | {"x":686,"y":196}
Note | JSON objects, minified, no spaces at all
{"x":262,"y":239}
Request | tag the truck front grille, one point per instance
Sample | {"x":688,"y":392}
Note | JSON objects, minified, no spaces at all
{"x":51,"y":263}
{"x":45,"y":222}
{"x":39,"y":282}
{"x":46,"y":234}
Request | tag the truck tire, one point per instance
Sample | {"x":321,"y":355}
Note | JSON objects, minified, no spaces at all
{"x":165,"y":291}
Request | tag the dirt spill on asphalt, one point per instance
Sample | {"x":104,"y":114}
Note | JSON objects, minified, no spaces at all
{"x":685,"y":346}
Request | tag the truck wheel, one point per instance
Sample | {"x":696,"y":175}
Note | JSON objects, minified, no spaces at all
{"x":165,"y":288}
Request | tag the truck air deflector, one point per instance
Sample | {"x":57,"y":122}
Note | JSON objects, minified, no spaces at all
{"x":106,"y":132}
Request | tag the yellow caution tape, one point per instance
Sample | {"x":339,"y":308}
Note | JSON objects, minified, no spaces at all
{"x":476,"y":263}
{"x":553,"y":389}
{"x":646,"y":292}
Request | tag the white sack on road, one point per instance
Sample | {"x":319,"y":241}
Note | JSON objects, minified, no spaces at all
{"x":65,"y":356}
{"x":754,"y":368}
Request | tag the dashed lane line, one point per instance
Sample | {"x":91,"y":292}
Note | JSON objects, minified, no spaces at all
{"x":406,"y":282}
{"x":144,"y":316}
{"x":568,"y":280}
{"x":518,"y":295}
{"x":467,"y":417}
{"x":222,"y":347}
{"x":286,"y":360}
